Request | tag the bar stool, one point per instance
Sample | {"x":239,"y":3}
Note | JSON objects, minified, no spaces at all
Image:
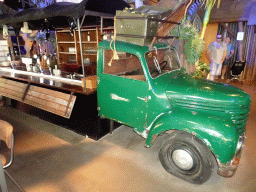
{"x":6,"y":135}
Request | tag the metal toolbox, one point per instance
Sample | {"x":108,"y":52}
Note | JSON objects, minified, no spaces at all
{"x":136,"y":27}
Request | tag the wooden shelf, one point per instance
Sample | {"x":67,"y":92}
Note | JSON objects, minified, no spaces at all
{"x":4,"y":51}
{"x":67,"y":53}
{"x":17,"y":47}
{"x":93,"y":29}
{"x":89,"y":42}
{"x":66,"y":42}
{"x":63,"y":31}
{"x":89,"y":53}
{"x":89,"y":48}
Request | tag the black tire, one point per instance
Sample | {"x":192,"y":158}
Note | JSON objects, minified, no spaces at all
{"x":179,"y":146}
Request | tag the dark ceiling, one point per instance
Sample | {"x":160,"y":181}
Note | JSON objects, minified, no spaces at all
{"x":59,"y":14}
{"x":104,"y":6}
{"x":16,"y":4}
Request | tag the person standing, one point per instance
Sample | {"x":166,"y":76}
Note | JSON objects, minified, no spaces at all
{"x":216,"y":53}
{"x":230,"y":53}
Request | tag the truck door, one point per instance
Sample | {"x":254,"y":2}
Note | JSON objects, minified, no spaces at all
{"x":122,"y":90}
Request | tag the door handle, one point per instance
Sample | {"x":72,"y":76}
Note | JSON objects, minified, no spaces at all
{"x":145,"y":99}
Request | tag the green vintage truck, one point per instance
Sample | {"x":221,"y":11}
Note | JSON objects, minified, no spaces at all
{"x":146,"y":89}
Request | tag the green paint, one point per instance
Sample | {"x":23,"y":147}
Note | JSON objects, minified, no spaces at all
{"x":214,"y":112}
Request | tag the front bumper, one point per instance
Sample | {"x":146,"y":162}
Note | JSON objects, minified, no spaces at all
{"x":229,"y":169}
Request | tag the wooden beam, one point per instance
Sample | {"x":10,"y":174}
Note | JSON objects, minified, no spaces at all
{"x":176,"y":16}
{"x":233,"y":34}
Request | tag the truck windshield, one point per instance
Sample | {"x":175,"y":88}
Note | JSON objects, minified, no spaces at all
{"x":162,"y":61}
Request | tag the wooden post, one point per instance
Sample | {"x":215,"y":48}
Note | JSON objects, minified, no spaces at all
{"x":232,"y":33}
{"x":81,"y":51}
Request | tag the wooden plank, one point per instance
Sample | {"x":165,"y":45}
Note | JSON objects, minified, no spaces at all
{"x":68,"y":106}
{"x":70,"y":98}
{"x":46,"y":98}
{"x":11,"y":87}
{"x":175,"y":16}
{"x":47,"y":105}
{"x":53,"y":93}
{"x":57,"y":112}
{"x":232,"y":33}
{"x":50,"y":103}
{"x":53,"y":101}
{"x":11,"y":96}
{"x":11,"y":93}
{"x":71,"y":105}
{"x":15,"y":83}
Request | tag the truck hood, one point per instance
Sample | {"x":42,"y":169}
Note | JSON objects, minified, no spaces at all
{"x":208,"y":98}
{"x":194,"y":93}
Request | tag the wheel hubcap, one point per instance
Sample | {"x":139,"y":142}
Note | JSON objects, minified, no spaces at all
{"x":182,"y":159}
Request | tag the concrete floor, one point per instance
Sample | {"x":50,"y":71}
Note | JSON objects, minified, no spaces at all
{"x":49,"y":158}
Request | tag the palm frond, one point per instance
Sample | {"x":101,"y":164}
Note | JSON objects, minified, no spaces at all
{"x":193,"y":44}
{"x":193,"y":49}
{"x":202,"y":70}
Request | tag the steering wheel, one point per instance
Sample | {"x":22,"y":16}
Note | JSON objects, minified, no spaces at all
{"x":163,"y":65}
{"x":159,"y":68}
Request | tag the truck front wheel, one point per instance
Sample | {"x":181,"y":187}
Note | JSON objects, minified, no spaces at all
{"x":187,"y":157}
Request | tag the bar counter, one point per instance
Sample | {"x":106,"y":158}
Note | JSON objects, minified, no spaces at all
{"x":49,"y":81}
{"x":83,"y":119}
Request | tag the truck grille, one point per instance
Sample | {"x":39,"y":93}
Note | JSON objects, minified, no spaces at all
{"x":238,"y":113}
{"x":239,"y":118}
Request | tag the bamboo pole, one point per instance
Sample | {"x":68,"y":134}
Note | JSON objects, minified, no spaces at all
{"x":206,"y":20}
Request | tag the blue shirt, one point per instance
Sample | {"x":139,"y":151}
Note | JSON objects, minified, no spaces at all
{"x":230,"y":48}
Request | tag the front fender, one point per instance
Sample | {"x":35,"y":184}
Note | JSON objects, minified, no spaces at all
{"x":219,"y":135}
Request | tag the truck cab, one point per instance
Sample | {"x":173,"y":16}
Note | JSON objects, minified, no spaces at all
{"x":144,"y":87}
